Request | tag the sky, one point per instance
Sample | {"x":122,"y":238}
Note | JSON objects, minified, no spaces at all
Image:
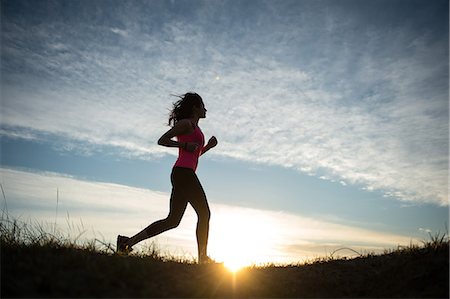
{"x":331,"y":116}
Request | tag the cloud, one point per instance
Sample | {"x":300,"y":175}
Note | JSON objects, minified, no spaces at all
{"x":319,"y":90}
{"x":120,"y":32}
{"x":103,"y":210}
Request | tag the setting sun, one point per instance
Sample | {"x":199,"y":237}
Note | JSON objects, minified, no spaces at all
{"x":235,"y":264}
{"x":242,"y":237}
{"x":233,"y":267}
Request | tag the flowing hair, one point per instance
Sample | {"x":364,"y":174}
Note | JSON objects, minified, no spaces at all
{"x":183,"y":107}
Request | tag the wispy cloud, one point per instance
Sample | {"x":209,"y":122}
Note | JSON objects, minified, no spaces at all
{"x":332,"y":92}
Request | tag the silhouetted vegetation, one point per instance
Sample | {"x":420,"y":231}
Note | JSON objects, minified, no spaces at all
{"x":35,"y":263}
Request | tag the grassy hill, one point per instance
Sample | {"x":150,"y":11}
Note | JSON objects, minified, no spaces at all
{"x":45,"y":266}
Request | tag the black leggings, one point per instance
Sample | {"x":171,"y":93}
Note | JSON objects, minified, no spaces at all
{"x":186,"y":188}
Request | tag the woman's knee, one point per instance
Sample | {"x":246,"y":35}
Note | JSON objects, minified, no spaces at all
{"x":201,"y":207}
{"x":172,"y":222}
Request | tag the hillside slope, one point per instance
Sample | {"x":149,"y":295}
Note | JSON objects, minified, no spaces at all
{"x":58,"y":271}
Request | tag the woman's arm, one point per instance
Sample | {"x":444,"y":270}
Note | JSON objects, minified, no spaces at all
{"x":182,"y":127}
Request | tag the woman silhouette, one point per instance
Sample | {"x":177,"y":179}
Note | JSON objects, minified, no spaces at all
{"x":186,"y":187}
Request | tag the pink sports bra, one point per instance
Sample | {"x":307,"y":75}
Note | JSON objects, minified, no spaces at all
{"x":190,"y":159}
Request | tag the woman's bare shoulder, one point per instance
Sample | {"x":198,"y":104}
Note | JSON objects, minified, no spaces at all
{"x":183,"y":122}
{"x":183,"y":126}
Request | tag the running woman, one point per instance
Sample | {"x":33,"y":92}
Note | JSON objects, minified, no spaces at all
{"x":186,"y":187}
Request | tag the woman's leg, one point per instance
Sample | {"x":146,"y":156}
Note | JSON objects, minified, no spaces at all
{"x":197,"y":199}
{"x":178,"y":204}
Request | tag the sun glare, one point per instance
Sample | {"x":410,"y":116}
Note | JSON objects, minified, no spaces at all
{"x":234,"y":265}
{"x":241,"y":237}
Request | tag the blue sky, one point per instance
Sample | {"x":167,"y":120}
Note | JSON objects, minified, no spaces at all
{"x":330,"y":110}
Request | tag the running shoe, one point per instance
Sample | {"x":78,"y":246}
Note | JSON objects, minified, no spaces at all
{"x":122,"y":246}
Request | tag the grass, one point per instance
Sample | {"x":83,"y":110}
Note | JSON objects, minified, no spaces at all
{"x":36,"y":263}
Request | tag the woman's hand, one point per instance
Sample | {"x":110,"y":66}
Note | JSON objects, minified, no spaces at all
{"x":212,"y":142}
